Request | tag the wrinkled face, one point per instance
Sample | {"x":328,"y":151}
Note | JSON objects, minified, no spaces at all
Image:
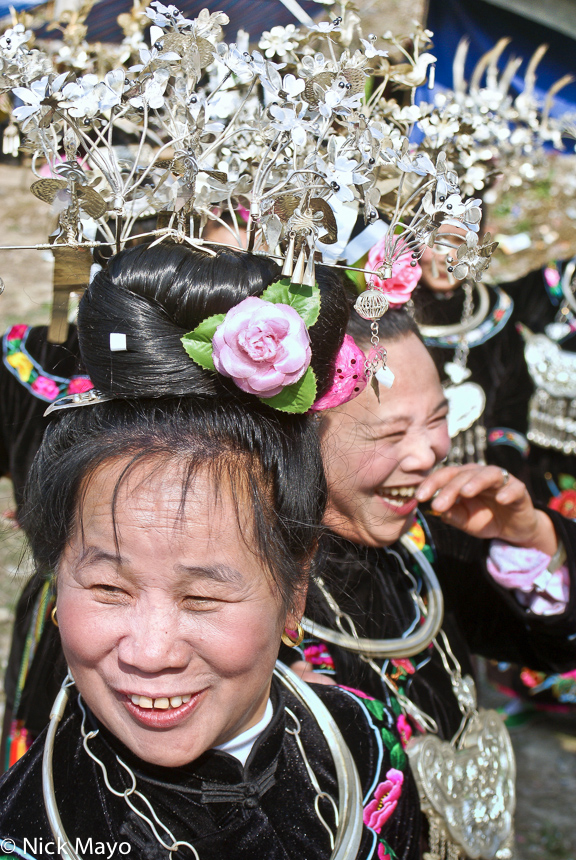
{"x":434,"y":263}
{"x":172,"y":635}
{"x":377,"y":454}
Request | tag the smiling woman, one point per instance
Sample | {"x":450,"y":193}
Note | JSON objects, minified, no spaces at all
{"x":178,"y":514}
{"x":503,"y":571}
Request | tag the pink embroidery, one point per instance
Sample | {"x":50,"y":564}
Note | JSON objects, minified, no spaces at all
{"x":386,"y":798}
{"x":383,"y":853}
{"x":318,"y":655}
{"x":45,"y":388}
{"x":79,"y":384}
{"x":404,"y":730}
{"x":404,"y":664}
{"x":358,"y":693}
{"x":17,"y":332}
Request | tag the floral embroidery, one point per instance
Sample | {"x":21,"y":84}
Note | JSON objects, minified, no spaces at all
{"x":385,"y":801}
{"x":44,"y":386}
{"x":385,"y":852}
{"x":406,"y":665}
{"x":404,"y":729}
{"x":22,"y":364}
{"x":17,"y":332}
{"x":565,"y":503}
{"x":318,"y":655}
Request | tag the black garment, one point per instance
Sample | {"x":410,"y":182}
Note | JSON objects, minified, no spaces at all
{"x":497,"y":364}
{"x":535,"y":307}
{"x":480,"y":616}
{"x":262,"y":811}
{"x":22,"y":424}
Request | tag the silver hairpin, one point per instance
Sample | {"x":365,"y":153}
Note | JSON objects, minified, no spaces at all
{"x":83,"y":398}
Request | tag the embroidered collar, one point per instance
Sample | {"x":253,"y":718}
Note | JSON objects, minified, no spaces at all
{"x":494,"y":322}
{"x":45,"y":386}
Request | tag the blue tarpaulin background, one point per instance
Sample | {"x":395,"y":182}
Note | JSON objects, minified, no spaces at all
{"x":484,"y":23}
{"x":255,"y":16}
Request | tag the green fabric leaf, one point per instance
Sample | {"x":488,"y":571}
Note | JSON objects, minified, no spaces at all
{"x":304,"y":300}
{"x":297,"y":397}
{"x":198,"y":343}
{"x":389,"y":738}
{"x":395,"y":705}
{"x":398,"y":757}
{"x":375,"y":707}
{"x":566,"y":482}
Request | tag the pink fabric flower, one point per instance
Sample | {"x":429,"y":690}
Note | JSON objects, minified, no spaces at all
{"x":404,"y":730}
{"x":17,"y":332}
{"x":386,"y":798}
{"x":262,"y":346}
{"x":79,"y":384}
{"x":404,"y":278}
{"x":46,"y":388}
{"x":383,"y":853}
{"x":349,"y":377}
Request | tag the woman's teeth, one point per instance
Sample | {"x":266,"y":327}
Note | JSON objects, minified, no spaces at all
{"x":397,"y":496}
{"x":161,"y":704}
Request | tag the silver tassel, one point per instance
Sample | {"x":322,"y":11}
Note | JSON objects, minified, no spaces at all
{"x":310,"y":273}
{"x":298,"y":273}
{"x":289,"y":258}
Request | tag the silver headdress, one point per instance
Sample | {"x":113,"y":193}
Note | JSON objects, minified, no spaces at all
{"x":299,"y":148}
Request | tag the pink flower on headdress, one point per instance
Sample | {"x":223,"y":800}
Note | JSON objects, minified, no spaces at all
{"x":386,"y":798}
{"x":404,"y":278}
{"x":262,"y":346}
{"x":46,"y":388}
{"x":78,"y":384}
{"x":383,"y":853}
{"x":17,"y":332}
{"x":349,"y":377}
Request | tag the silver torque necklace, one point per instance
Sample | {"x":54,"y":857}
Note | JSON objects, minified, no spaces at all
{"x":465,"y":325}
{"x":407,"y":646}
{"x":345,"y":843}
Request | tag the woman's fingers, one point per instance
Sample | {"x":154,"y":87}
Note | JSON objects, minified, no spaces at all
{"x":466,"y":482}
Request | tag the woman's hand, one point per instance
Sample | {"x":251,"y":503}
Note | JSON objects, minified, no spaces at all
{"x":305,"y":671}
{"x":487,"y":502}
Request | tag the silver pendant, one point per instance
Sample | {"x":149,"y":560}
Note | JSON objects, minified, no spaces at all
{"x":466,"y":405}
{"x":470,"y":787}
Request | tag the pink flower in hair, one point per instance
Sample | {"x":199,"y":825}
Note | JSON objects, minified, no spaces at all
{"x":46,"y":388}
{"x":404,"y":278}
{"x":262,"y":346}
{"x":349,"y":377}
{"x":78,"y":384}
{"x":385,"y":801}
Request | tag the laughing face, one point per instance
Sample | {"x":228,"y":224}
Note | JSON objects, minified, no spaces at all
{"x":171,"y":633}
{"x":377,"y":454}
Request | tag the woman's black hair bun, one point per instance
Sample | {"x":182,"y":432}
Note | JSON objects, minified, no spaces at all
{"x":155,"y":295}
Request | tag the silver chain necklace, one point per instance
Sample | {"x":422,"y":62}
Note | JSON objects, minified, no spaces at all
{"x":344,"y":843}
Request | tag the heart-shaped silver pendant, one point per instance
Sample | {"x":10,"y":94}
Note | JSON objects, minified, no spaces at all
{"x":471,"y":786}
{"x":466,"y":404}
